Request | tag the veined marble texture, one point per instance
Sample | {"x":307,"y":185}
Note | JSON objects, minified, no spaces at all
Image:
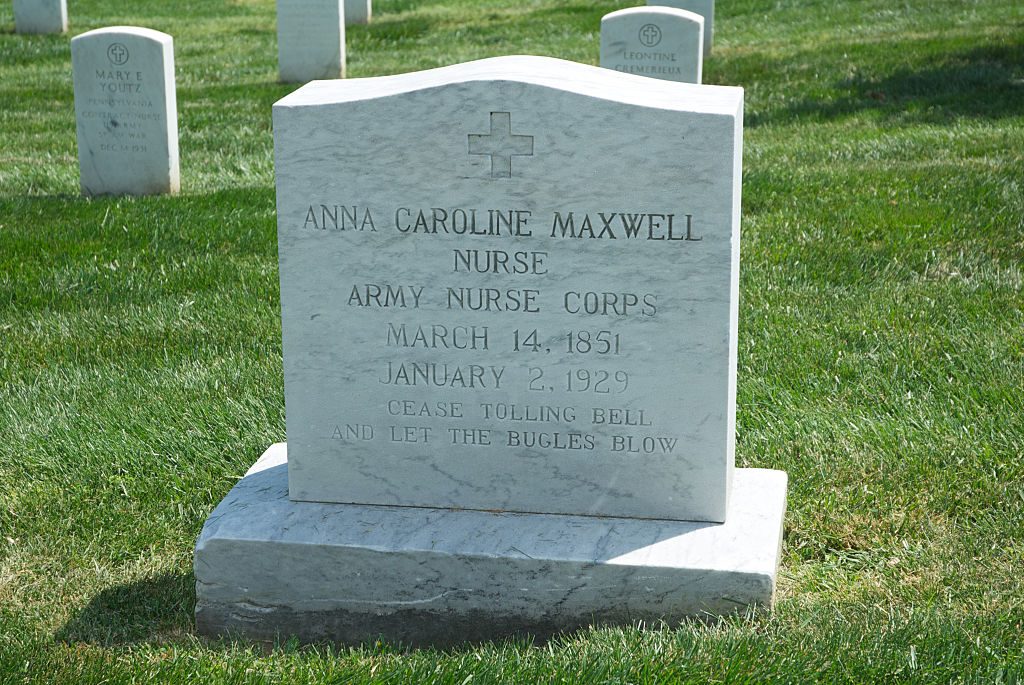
{"x":267,"y":567}
{"x":511,"y":285}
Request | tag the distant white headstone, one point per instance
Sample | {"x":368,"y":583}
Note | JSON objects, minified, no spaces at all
{"x":660,"y":42}
{"x":40,"y":16}
{"x":126,"y":111}
{"x":705,"y":8}
{"x":310,"y":39}
{"x":357,"y":12}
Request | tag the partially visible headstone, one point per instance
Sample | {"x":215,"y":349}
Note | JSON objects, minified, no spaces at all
{"x":357,"y":12}
{"x":126,"y":111}
{"x":40,"y":16}
{"x":310,"y":40}
{"x":660,"y":42}
{"x":705,"y":8}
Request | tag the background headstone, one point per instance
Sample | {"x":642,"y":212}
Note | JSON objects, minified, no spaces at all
{"x":516,"y":318}
{"x":125,"y":111}
{"x":660,"y":42}
{"x":40,"y":16}
{"x":310,"y":40}
{"x":357,"y":11}
{"x":705,"y":8}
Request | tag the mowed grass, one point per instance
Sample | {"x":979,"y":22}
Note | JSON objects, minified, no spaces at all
{"x":881,"y":350}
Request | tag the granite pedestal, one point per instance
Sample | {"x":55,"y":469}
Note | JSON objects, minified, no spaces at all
{"x":269,"y":568}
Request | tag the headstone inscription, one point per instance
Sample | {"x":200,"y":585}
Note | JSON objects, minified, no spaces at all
{"x":125,"y":111}
{"x":538,"y":325}
{"x":357,"y":12}
{"x":705,"y":8}
{"x":40,"y":16}
{"x":510,"y":364}
{"x":660,"y":42}
{"x":310,"y":40}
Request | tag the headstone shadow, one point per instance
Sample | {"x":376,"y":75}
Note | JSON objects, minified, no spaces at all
{"x":153,"y":609}
{"x":257,"y":94}
{"x":387,"y":28}
{"x":983,"y":82}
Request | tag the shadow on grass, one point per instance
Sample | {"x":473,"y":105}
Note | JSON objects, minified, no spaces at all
{"x":259,"y":95}
{"x":392,"y":29}
{"x":583,"y":18}
{"x":147,"y":610}
{"x":983,"y":82}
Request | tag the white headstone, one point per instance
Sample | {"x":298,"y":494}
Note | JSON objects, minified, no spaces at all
{"x":40,"y":16}
{"x":705,"y":8}
{"x":357,"y":12}
{"x":660,"y":42}
{"x":126,"y":112}
{"x":486,"y":305}
{"x":310,"y":39}
{"x":509,"y":297}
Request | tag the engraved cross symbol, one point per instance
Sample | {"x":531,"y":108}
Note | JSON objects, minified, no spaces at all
{"x":500,"y":144}
{"x":117,"y":53}
{"x":650,"y":35}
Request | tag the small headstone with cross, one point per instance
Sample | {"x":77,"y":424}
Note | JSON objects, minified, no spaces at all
{"x":126,"y":111}
{"x":40,"y":16}
{"x":660,"y":42}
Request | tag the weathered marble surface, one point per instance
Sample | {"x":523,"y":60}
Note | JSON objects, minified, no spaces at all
{"x":40,"y":16}
{"x":705,"y":8}
{"x":126,"y":111}
{"x":357,"y":12}
{"x":269,"y":567}
{"x":537,"y":138}
{"x":310,"y":40}
{"x":660,"y":42}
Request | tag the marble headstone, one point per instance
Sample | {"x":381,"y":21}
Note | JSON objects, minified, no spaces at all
{"x":125,"y":111}
{"x":40,"y":16}
{"x":310,"y":39}
{"x":510,"y":364}
{"x":357,"y":12}
{"x":705,"y":8}
{"x":506,"y":323}
{"x":660,"y":42}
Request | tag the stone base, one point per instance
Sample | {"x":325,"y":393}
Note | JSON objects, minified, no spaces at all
{"x":268,"y":568}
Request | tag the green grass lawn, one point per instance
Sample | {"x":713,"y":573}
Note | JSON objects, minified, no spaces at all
{"x":881,"y":349}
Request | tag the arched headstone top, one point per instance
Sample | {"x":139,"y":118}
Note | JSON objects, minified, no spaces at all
{"x":547,"y":72}
{"x":138,"y":32}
